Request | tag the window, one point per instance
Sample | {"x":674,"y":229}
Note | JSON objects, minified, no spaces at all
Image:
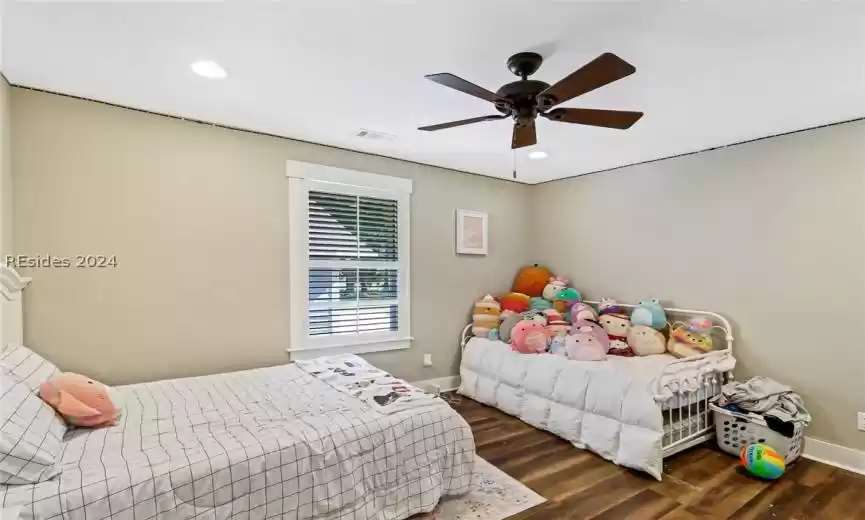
{"x":348,"y":261}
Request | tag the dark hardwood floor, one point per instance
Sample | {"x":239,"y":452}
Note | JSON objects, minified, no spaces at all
{"x":702,"y":482}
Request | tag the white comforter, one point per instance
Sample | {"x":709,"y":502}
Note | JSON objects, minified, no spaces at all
{"x":273,"y":442}
{"x":611,"y":407}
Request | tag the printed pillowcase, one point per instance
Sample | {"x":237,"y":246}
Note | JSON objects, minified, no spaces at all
{"x":31,"y":434}
{"x":27,"y":366}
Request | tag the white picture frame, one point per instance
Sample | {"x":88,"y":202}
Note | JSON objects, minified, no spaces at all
{"x":472,"y":232}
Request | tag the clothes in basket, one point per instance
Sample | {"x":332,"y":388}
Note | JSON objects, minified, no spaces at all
{"x":780,"y":406}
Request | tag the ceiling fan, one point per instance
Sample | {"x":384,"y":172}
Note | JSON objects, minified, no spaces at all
{"x":526,"y":99}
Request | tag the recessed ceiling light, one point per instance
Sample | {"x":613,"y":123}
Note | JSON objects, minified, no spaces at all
{"x":537,"y":155}
{"x":209,"y":69}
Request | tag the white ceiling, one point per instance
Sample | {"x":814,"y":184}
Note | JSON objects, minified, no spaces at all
{"x":709,"y":73}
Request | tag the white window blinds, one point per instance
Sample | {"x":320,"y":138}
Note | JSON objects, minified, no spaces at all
{"x":349,"y":280}
{"x":354,"y":268}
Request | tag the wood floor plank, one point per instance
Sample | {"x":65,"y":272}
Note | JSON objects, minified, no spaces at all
{"x":843,"y":497}
{"x":645,"y":505}
{"x":675,"y":489}
{"x":764,"y":501}
{"x":602,"y":496}
{"x":725,"y":494}
{"x":700,"y":483}
{"x":680,"y":513}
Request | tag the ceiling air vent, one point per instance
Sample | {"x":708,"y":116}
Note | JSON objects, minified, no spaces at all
{"x":374,"y":135}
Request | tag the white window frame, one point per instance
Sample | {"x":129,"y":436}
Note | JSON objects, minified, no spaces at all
{"x":303,"y":177}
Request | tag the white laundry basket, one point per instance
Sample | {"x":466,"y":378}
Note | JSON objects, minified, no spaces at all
{"x":734,"y":430}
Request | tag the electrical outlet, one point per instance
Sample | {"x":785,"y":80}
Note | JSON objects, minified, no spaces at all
{"x":427,"y":360}
{"x":861,"y":421}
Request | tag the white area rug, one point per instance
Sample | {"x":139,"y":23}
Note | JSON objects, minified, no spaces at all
{"x":495,"y":496}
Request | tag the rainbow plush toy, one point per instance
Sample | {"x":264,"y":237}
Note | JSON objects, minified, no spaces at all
{"x":762,"y":461}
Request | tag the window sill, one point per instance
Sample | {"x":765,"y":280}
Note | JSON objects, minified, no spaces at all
{"x":350,"y":348}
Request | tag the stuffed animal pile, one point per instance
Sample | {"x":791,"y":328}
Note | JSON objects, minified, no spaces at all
{"x":544,"y":314}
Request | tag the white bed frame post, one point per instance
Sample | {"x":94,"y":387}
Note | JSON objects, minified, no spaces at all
{"x":11,"y":320}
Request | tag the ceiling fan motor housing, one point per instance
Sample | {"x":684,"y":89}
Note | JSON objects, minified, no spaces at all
{"x":520,"y":96}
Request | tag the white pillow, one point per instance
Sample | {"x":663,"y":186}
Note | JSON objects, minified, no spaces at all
{"x":27,"y":366}
{"x":31,"y":434}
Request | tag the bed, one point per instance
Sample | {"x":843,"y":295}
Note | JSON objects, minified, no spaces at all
{"x":631,"y":411}
{"x":271,"y":442}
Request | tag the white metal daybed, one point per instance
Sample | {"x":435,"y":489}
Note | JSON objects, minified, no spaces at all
{"x":633,"y":411}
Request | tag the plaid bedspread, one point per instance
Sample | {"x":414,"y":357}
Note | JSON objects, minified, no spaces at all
{"x":267,"y":443}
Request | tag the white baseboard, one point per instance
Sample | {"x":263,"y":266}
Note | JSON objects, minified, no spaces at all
{"x":835,"y":455}
{"x":445,"y":384}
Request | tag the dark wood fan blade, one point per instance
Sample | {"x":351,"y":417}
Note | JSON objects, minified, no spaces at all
{"x":601,"y":71}
{"x":457,"y":83}
{"x":621,"y":119}
{"x":524,"y":135}
{"x":462,"y":122}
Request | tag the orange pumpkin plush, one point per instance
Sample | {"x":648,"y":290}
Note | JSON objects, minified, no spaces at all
{"x":531,"y":280}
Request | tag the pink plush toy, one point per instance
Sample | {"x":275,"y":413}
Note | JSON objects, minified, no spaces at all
{"x":80,"y":400}
{"x":583,"y":311}
{"x":529,"y":337}
{"x":585,"y":344}
{"x":597,"y":330}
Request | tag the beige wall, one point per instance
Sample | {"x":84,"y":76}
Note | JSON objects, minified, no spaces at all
{"x":197,"y":217}
{"x":5,"y":169}
{"x":771,"y":234}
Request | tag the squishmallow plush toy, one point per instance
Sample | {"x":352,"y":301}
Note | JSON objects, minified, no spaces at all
{"x":81,"y":401}
{"x":617,"y":327}
{"x":556,"y":324}
{"x":583,"y":311}
{"x":516,"y":302}
{"x":649,"y":313}
{"x":485,"y":316}
{"x":556,"y":284}
{"x":558,"y":346}
{"x":537,"y":316}
{"x":646,"y":341}
{"x":539,"y":304}
{"x":565,"y":299}
{"x":608,"y":305}
{"x":599,"y":332}
{"x":584,"y":345}
{"x":531,"y":280}
{"x":529,"y":337}
{"x":507,"y":325}
{"x":687,"y":341}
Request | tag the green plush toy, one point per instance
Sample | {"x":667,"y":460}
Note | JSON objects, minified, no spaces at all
{"x":540,"y":304}
{"x":570,"y":297}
